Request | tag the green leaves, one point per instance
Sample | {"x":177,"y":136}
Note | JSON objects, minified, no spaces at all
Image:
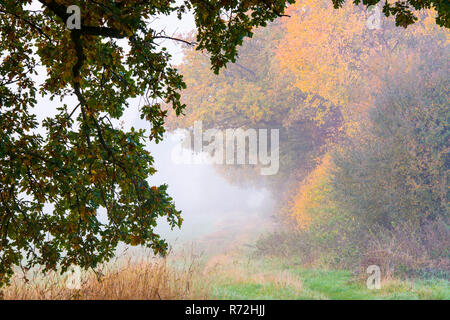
{"x":403,"y":10}
{"x":222,"y":25}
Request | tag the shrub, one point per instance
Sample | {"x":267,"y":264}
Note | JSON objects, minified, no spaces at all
{"x":397,"y":169}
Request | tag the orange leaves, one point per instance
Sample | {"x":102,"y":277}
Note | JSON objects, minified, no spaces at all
{"x":333,"y":54}
{"x":316,"y":47}
{"x":308,"y":202}
{"x":98,"y":176}
{"x":135,"y":240}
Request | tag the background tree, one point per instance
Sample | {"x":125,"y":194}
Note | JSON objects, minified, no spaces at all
{"x":333,"y":54}
{"x":253,"y":92}
{"x":302,"y":76}
{"x":381,"y":181}
{"x":396,"y":170}
{"x":83,"y":161}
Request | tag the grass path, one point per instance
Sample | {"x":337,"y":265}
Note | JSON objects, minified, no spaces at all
{"x":264,"y":278}
{"x":234,"y":274}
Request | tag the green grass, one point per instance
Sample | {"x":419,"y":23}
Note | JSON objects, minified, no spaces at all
{"x":252,"y":291}
{"x":315,"y":284}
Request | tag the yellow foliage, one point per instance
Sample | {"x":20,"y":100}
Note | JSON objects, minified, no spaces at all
{"x":316,"y":48}
{"x":312,"y":195}
{"x":334,"y":55}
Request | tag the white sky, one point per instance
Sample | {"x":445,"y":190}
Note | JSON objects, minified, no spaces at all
{"x":170,"y":24}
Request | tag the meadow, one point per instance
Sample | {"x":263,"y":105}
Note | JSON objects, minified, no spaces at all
{"x":227,"y":276}
{"x":221,"y":265}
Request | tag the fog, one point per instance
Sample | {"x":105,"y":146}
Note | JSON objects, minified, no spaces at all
{"x":207,"y":200}
{"x":209,"y":203}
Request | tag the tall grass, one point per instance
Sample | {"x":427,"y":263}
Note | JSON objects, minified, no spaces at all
{"x":129,"y":278}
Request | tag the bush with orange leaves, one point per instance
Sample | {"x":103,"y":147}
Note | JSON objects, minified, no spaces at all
{"x":312,"y":197}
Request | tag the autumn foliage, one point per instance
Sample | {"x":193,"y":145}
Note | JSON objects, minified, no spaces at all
{"x":364,"y":118}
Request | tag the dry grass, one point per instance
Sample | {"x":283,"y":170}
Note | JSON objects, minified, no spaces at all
{"x":279,"y":279}
{"x":230,"y":268}
{"x":148,"y":278}
{"x":144,"y":278}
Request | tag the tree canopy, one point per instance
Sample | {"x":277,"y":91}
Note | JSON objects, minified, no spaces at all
{"x":334,"y":55}
{"x":254,"y":92}
{"x":83,"y":162}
